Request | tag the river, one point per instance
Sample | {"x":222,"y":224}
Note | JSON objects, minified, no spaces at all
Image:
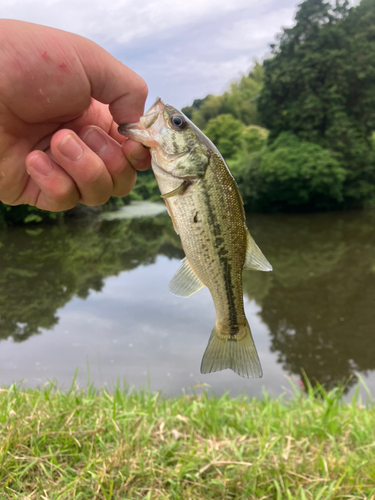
{"x":93,"y":296}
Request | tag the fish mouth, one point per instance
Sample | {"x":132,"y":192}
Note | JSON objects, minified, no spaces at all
{"x":140,"y":131}
{"x":136,"y":132}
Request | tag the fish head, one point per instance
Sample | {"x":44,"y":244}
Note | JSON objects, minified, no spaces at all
{"x":177,"y":145}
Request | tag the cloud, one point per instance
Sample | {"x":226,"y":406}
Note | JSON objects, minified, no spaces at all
{"x":121,"y":21}
{"x":256,"y":32}
{"x":184,"y":50}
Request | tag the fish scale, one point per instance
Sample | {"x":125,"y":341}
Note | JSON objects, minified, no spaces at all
{"x":217,"y":255}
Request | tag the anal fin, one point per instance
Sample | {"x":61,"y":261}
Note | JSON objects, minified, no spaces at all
{"x":185,"y":282}
{"x":255,"y":260}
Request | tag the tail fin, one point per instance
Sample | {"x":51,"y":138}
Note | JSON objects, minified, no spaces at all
{"x":240,"y":355}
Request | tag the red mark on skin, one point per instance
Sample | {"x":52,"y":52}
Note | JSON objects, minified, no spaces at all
{"x":45,"y":56}
{"x":63,"y":66}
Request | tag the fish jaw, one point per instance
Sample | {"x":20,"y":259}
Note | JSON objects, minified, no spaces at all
{"x":136,"y":132}
{"x":145,"y":128}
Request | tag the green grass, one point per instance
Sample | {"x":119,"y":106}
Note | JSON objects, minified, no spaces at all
{"x":125,"y":445}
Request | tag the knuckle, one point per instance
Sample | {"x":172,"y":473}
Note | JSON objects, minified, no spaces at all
{"x":123,"y":188}
{"x":143,"y":88}
{"x":63,"y":197}
{"x":9,"y":194}
{"x":118,"y":168}
{"x":94,"y":173}
{"x":97,"y":199}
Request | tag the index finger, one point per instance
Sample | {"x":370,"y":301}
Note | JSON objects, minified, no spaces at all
{"x":112,"y":82}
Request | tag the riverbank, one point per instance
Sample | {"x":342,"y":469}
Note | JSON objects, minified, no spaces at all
{"x":125,"y":444}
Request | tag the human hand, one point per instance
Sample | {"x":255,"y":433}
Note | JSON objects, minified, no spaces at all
{"x":61,"y":98}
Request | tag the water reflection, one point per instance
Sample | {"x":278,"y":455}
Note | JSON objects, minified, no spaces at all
{"x":43,"y":268}
{"x":318,"y":305}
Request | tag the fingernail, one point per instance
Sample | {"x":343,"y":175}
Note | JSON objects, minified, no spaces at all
{"x":95,"y":140}
{"x":71,"y":148}
{"x":41,"y":164}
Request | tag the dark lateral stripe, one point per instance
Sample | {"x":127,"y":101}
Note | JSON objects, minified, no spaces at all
{"x":224,"y":262}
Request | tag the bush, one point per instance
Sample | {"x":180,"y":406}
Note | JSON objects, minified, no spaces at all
{"x":231,"y":136}
{"x":288,"y":174}
{"x":24,"y":214}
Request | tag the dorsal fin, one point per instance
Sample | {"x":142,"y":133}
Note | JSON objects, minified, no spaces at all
{"x":255,"y":260}
{"x":185,"y":282}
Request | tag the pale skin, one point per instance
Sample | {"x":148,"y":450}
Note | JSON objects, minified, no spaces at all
{"x":61,"y":100}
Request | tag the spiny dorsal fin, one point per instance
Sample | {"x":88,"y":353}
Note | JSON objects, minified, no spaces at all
{"x":255,"y":260}
{"x":185,"y":282}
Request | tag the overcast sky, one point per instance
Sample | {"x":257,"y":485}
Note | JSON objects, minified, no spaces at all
{"x":184,"y":49}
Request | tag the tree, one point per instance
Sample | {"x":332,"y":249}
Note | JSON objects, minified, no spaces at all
{"x":319,"y":85}
{"x":242,"y":96}
{"x":239,"y":101}
{"x":226,"y":133}
{"x":301,"y":173}
{"x":289,"y":174}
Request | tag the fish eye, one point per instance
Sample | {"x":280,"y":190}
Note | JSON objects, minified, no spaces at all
{"x":178,"y":122}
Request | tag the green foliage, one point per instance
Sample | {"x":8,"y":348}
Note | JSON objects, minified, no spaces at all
{"x":24,"y":214}
{"x":319,"y":86}
{"x":239,"y":101}
{"x":231,"y":136}
{"x":146,"y":187}
{"x":211,"y":107}
{"x":254,"y":138}
{"x":242,"y":96}
{"x":318,"y":301}
{"x":226,"y":133}
{"x":289,"y":173}
{"x":197,"y":103}
{"x":45,"y":266}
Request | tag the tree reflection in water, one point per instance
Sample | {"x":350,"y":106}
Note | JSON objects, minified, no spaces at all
{"x":319,"y":302}
{"x":44,"y":267}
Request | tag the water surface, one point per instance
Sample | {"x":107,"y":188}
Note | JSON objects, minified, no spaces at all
{"x":94,"y":296}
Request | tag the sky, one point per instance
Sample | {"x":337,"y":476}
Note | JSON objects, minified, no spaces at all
{"x":184,"y":49}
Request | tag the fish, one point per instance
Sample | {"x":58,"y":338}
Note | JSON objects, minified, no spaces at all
{"x":207,"y":212}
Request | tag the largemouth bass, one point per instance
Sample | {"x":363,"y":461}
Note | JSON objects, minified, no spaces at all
{"x":207,"y":212}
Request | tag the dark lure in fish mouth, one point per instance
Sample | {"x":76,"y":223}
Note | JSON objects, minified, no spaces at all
{"x":136,"y":132}
{"x":125,"y":127}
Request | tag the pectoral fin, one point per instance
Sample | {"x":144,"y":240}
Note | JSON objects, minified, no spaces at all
{"x":185,"y":282}
{"x":179,"y":190}
{"x":255,"y":260}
